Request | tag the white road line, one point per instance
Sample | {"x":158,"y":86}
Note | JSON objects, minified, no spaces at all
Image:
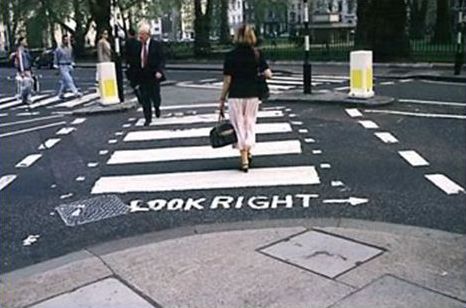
{"x":189,"y":106}
{"x":200,"y":152}
{"x":421,"y":115}
{"x":341,"y":88}
{"x":19,"y":102}
{"x":31,"y":120}
{"x":65,"y":131}
{"x":386,"y":137}
{"x":353,"y":112}
{"x":79,"y":101}
{"x":387,"y":83}
{"x":442,"y":82}
{"x":261,"y":128}
{"x":3,"y":114}
{"x":441,"y":103}
{"x":7,"y":99}
{"x":31,"y":129}
{"x":209,"y":80}
{"x":204,"y":118}
{"x":445,"y":184}
{"x":28,"y":161}
{"x":284,"y":82}
{"x":274,"y":87}
{"x":6,"y":180}
{"x":49,"y":143}
{"x":413,"y":158}
{"x":406,"y":80}
{"x":257,"y":177}
{"x":368,"y":124}
{"x":78,"y":121}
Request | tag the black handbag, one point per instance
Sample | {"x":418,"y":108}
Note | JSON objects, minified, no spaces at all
{"x":222,"y":134}
{"x":263,"y":91}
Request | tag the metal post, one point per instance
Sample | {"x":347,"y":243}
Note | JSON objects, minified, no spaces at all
{"x":307,"y":71}
{"x":459,"y":56}
{"x":118,"y":65}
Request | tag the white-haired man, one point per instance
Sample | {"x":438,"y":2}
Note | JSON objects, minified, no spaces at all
{"x":149,"y":61}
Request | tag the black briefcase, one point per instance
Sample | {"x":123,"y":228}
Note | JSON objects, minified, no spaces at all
{"x":222,"y":134}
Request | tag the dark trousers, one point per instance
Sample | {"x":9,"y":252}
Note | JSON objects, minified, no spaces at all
{"x":150,"y":95}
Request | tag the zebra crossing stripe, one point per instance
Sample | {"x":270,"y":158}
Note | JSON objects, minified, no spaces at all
{"x":79,"y":101}
{"x":28,"y":161}
{"x":257,"y":177}
{"x":204,"y":118}
{"x":261,"y":128}
{"x":445,"y":184}
{"x":19,"y":102}
{"x":7,"y":99}
{"x":200,"y":152}
{"x":6,"y":180}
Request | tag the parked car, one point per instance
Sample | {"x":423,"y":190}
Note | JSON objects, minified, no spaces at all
{"x":45,"y":59}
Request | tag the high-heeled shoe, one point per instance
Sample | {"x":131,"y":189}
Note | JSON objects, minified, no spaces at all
{"x":244,"y":167}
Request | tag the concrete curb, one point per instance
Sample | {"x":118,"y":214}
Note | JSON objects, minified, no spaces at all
{"x":332,"y":98}
{"x":101,"y":109}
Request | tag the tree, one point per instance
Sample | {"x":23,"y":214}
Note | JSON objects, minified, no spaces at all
{"x":442,"y":30}
{"x":382,"y":28}
{"x":224,"y":24}
{"x":417,"y":18}
{"x":202,"y":19}
{"x":13,"y":13}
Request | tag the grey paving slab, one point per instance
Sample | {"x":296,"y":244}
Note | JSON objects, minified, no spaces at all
{"x":223,"y":270}
{"x":322,"y":253}
{"x":433,"y":259}
{"x":108,"y":293}
{"x":20,"y":290}
{"x":390,"y":292}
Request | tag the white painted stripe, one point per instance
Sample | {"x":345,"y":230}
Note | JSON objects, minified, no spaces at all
{"x":274,"y":87}
{"x":6,"y":180}
{"x":79,"y":101}
{"x":78,"y":121}
{"x":200,"y":152}
{"x":27,"y":114}
{"x":65,"y":131}
{"x":7,"y":99}
{"x":189,"y":106}
{"x":418,"y":101}
{"x":421,"y":115}
{"x":341,"y":88}
{"x":284,"y":82}
{"x":30,"y":120}
{"x":406,"y":80}
{"x":208,"y":80}
{"x":28,"y":161}
{"x":450,"y":83}
{"x":257,"y":177}
{"x":353,"y":112}
{"x":19,"y":102}
{"x":413,"y":158}
{"x":49,"y":143}
{"x":204,"y":118}
{"x":3,"y":115}
{"x":445,"y":184}
{"x":368,"y":124}
{"x":386,"y":137}
{"x":387,"y":83}
{"x":261,"y":128}
{"x":18,"y":132}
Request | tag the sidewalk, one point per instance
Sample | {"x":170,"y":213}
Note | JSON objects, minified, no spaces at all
{"x":332,"y":263}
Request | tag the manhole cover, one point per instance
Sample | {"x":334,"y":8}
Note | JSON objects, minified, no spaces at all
{"x":91,"y":210}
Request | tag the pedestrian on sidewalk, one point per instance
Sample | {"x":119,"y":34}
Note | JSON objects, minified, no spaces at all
{"x":149,"y":62}
{"x":104,"y":50}
{"x":241,"y":71}
{"x":23,"y":63}
{"x":132,"y":52}
{"x":63,"y":60}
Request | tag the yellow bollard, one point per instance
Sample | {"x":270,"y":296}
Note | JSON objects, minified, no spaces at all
{"x":361,"y":84}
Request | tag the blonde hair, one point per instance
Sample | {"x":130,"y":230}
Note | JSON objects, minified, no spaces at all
{"x":245,"y":36}
{"x":144,"y":28}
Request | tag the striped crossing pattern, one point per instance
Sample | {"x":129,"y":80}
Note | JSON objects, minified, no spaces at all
{"x":278,"y":84}
{"x":142,"y":147}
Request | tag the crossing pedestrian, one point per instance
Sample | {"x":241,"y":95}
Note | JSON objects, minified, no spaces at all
{"x":149,"y":62}
{"x":241,"y":70}
{"x":23,"y":63}
{"x":63,"y":61}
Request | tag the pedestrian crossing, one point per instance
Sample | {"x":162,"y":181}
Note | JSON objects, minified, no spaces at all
{"x":278,"y":84}
{"x":186,"y":140}
{"x":49,"y":100}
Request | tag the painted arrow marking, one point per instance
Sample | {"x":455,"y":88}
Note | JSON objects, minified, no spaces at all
{"x":351,"y":200}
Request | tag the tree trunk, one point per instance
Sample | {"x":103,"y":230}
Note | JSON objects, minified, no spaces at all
{"x":442,"y":30}
{"x":202,"y":28}
{"x":224,"y":24}
{"x":80,"y":32}
{"x":361,"y":39}
{"x":417,"y":22}
{"x":100,"y":12}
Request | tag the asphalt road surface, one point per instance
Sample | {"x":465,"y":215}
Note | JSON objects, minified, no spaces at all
{"x":68,"y":182}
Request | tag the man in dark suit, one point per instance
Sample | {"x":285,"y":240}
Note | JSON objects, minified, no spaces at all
{"x":132,"y":52}
{"x":150,"y":62}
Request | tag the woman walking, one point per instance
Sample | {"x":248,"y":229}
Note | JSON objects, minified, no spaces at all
{"x":241,"y":71}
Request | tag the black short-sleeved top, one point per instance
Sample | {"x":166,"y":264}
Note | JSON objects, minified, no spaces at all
{"x":243,"y":67}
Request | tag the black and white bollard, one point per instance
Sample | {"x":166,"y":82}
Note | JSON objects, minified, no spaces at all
{"x":307,"y":70}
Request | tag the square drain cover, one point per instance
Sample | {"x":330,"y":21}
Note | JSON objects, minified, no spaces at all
{"x":91,"y":210}
{"x":322,"y":253}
